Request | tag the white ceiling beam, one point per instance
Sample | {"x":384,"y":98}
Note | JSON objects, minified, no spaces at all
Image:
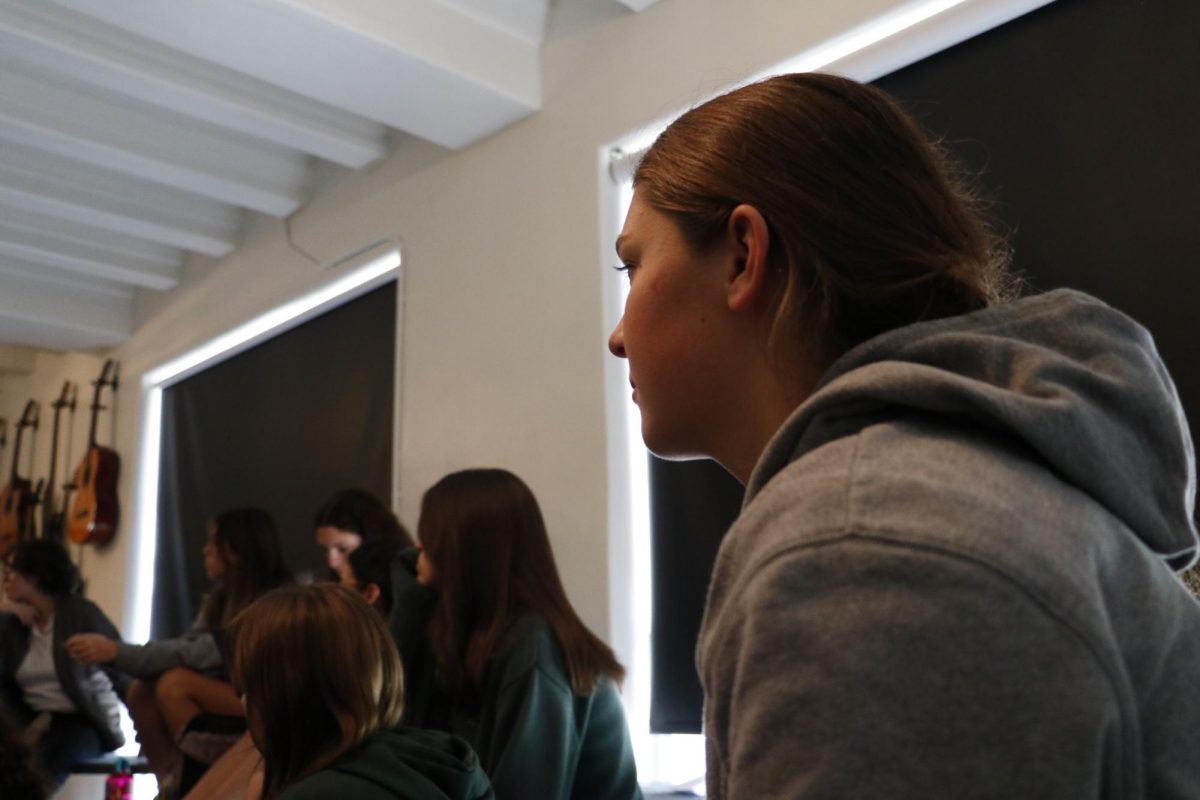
{"x":86,"y":260}
{"x":53,"y":276}
{"x":422,"y":66}
{"x":523,"y":18}
{"x":129,"y":136}
{"x":36,"y":313}
{"x":78,"y":192}
{"x":69,"y":232}
{"x":64,"y":43}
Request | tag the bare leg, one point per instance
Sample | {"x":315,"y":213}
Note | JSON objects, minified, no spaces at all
{"x":232,"y":775}
{"x":158,"y":746}
{"x":182,"y":694}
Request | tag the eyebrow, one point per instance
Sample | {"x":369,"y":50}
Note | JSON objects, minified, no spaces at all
{"x":620,"y":239}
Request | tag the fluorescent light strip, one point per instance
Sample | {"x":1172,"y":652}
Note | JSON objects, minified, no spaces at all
{"x":256,"y":329}
{"x":861,"y":38}
{"x":630,"y":150}
{"x":147,"y":514}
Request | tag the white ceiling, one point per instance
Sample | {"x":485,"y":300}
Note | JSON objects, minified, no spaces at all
{"x":135,"y":132}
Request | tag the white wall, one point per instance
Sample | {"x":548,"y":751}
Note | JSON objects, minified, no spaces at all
{"x":503,"y":341}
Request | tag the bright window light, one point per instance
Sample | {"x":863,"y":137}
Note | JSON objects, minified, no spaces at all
{"x":862,"y":38}
{"x":376,"y":271}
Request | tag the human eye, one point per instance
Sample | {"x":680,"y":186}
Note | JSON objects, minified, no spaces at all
{"x":627,"y":268}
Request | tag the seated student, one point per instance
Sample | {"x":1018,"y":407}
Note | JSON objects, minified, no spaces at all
{"x":323,"y":688}
{"x":351,"y":517}
{"x":182,"y":677}
{"x":368,"y":571}
{"x":71,"y":709}
{"x":532,"y":689}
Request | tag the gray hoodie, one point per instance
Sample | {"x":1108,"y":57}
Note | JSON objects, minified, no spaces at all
{"x":952,"y":576}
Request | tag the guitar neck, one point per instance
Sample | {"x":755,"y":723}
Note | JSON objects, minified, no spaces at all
{"x":12,"y":475}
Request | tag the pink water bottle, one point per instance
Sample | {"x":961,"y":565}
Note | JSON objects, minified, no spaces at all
{"x":119,"y":785}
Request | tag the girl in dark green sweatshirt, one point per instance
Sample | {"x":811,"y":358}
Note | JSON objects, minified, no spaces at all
{"x":518,"y":674}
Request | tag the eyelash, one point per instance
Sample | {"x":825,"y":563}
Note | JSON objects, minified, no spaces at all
{"x":625,"y":268}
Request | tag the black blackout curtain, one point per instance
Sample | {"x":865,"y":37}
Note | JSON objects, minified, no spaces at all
{"x":1084,"y":119}
{"x":281,"y":426}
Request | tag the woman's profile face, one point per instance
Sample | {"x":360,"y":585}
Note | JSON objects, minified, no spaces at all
{"x":670,"y":331}
{"x":215,"y":564}
{"x":18,"y":587}
{"x":337,"y":544}
{"x":426,"y":574}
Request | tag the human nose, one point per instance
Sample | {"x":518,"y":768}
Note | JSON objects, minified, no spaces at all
{"x":616,"y":340}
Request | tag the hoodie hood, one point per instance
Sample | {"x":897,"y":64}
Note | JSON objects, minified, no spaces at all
{"x":1079,"y":383}
{"x":410,"y":762}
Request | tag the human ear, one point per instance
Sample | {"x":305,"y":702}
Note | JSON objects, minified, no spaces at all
{"x":750,"y":241}
{"x":371,"y":593}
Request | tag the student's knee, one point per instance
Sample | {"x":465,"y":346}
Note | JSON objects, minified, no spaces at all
{"x":141,"y":695}
{"x":173,"y":684}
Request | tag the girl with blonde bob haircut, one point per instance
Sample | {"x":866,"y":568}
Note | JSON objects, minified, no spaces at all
{"x":323,"y":688}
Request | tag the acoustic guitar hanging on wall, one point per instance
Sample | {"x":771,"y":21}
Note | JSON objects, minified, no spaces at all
{"x":16,"y":499}
{"x":93,"y":511}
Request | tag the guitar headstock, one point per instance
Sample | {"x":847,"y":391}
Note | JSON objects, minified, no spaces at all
{"x":66,"y":398}
{"x":29,"y":417}
{"x":108,"y":377}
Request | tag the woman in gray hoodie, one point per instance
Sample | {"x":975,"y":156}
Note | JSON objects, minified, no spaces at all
{"x":954,"y":571}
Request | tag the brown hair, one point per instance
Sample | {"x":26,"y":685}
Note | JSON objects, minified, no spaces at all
{"x":870,"y":224}
{"x":320,"y":674}
{"x":359,"y":511}
{"x":250,"y":535}
{"x":483,"y":531}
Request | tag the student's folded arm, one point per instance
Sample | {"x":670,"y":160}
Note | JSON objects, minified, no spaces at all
{"x":196,"y":650}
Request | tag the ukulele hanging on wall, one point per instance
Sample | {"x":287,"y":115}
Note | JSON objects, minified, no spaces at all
{"x":93,"y":512}
{"x":54,"y":509}
{"x":16,"y":499}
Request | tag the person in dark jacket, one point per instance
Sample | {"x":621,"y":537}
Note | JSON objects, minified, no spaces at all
{"x":368,"y":571}
{"x":73,"y":710}
{"x":323,"y":688}
{"x":518,"y":674}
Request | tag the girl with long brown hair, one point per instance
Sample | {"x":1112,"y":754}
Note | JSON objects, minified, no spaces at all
{"x":952,"y":573}
{"x":323,"y":689}
{"x":182,"y":677}
{"x":532,"y":689}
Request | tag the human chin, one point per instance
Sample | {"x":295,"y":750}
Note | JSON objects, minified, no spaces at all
{"x":669,"y":442}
